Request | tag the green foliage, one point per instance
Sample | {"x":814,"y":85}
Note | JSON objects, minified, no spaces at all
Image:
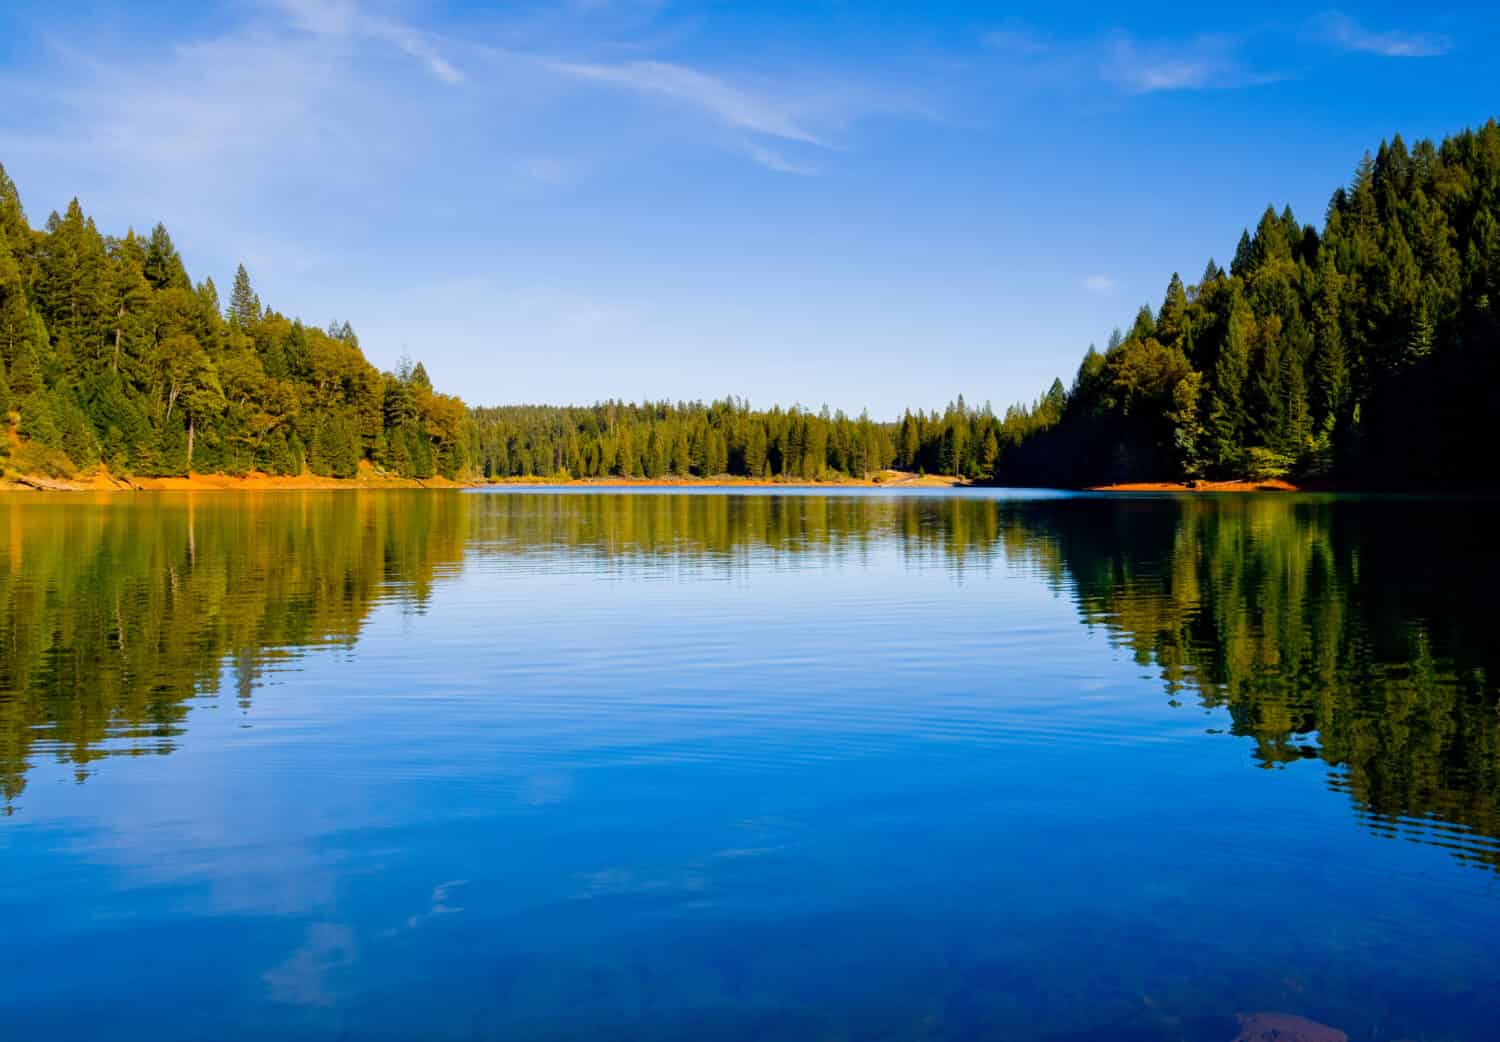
{"x":728,"y":437}
{"x":244,"y":305}
{"x":1364,"y":351}
{"x":1265,"y":464}
{"x":39,"y":422}
{"x":1367,"y":352}
{"x":111,"y":353}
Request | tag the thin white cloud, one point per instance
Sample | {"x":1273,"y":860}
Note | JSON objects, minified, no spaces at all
{"x":731,"y":105}
{"x":198,"y":134}
{"x":1128,"y":63}
{"x":1101,"y":284}
{"x":185,"y":119}
{"x":439,"y":905}
{"x":773,"y":160}
{"x":303,"y":978}
{"x":1200,"y":63}
{"x":1347,"y":34}
{"x":344,"y":19}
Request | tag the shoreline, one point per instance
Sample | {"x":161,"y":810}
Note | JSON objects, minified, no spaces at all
{"x":368,"y":479}
{"x":1235,"y":485}
{"x":885,"y":479}
{"x":103,"y":481}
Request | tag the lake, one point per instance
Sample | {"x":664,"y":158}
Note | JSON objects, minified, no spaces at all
{"x":566,"y":764}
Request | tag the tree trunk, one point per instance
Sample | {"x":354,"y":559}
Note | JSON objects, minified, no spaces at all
{"x":190,"y":444}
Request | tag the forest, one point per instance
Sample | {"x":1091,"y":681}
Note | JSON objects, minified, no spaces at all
{"x":113,"y":355}
{"x":655,"y":440}
{"x":1365,"y":353}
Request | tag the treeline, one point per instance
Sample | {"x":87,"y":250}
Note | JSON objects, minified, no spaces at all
{"x":1369,"y":351}
{"x":728,"y":437}
{"x":110,"y":353}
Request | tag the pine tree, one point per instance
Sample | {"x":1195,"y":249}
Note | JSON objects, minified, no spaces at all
{"x":14,"y":230}
{"x":1295,"y":435}
{"x":1422,"y":336}
{"x":909,"y":453}
{"x":1226,"y":414}
{"x":1145,"y":324}
{"x":718,"y":453}
{"x":23,"y":344}
{"x":39,"y":420}
{"x":1171,"y":322}
{"x":1330,"y":364}
{"x":76,"y":434}
{"x":1265,"y":407}
{"x":755,"y":451}
{"x":163,"y":266}
{"x":244,"y":305}
{"x":1243,"y":256}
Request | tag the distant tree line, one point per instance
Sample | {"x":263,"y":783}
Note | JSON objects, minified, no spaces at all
{"x":110,"y":353}
{"x":728,"y":437}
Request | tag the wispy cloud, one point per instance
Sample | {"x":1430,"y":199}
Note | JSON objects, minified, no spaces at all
{"x":1347,"y":34}
{"x":439,"y":905}
{"x":198,"y":132}
{"x":1126,"y":62}
{"x":773,"y":160}
{"x":346,"y":19}
{"x":1101,"y":284}
{"x":304,"y":978}
{"x":731,"y":105}
{"x":1206,"y":62}
{"x":188,"y":115}
{"x":771,"y":123}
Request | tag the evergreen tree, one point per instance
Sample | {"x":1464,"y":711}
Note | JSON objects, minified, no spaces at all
{"x":244,"y":305}
{"x":163,"y":267}
{"x":1226,"y":414}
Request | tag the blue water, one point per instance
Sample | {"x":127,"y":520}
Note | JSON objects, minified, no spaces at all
{"x":635,"y":765}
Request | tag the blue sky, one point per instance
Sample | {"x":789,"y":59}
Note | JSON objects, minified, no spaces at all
{"x":819,"y":202}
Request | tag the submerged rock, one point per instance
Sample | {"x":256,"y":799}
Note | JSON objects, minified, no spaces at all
{"x":1285,"y":1027}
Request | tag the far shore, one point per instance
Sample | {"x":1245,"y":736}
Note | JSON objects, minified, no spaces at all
{"x":884,"y":479}
{"x":102,"y":480}
{"x":1237,"y":485}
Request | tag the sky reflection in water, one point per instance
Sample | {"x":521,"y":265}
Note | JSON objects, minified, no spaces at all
{"x":554,"y":764}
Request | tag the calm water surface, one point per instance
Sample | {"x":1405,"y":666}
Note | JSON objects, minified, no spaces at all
{"x":558,"y":765}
